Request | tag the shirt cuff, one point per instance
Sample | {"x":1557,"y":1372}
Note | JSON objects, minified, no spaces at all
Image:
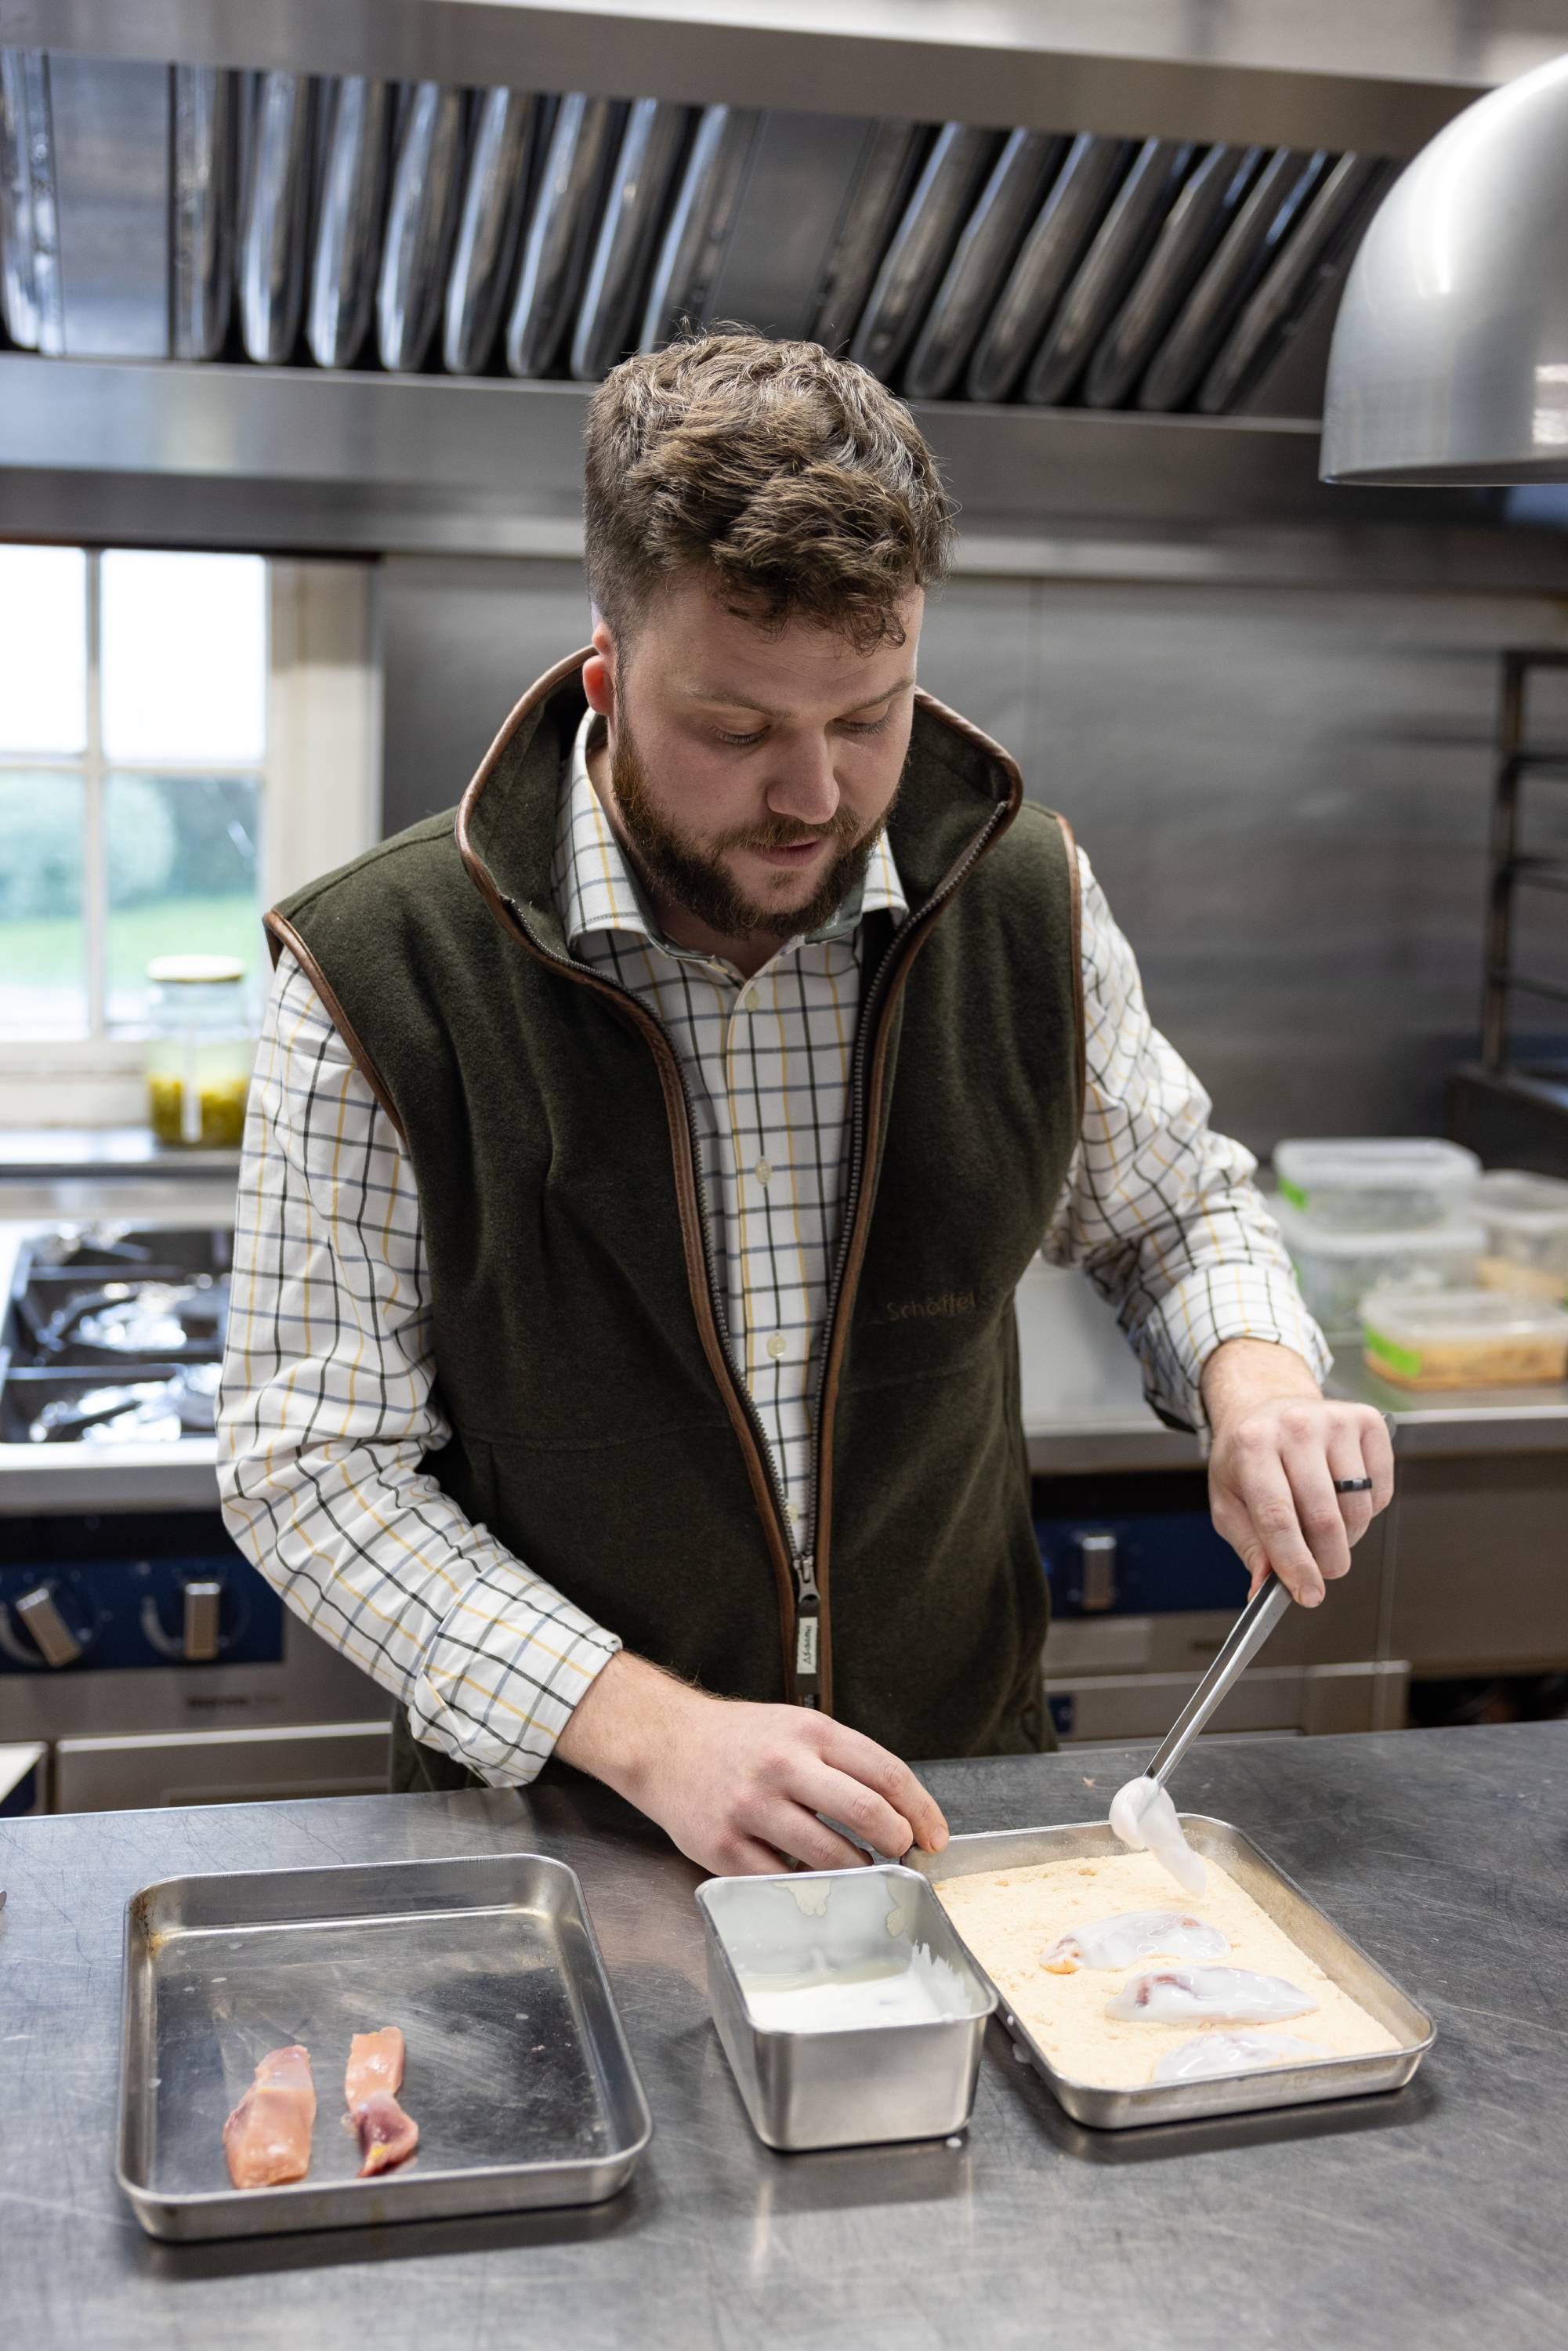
{"x":1204,"y":1309}
{"x":499,"y":1681}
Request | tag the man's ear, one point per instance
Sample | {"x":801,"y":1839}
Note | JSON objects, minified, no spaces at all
{"x":598,"y":672}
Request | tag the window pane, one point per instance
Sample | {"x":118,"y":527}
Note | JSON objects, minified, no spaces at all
{"x":43,"y":649}
{"x":181,"y":856}
{"x":183,"y":657}
{"x":43,"y":939}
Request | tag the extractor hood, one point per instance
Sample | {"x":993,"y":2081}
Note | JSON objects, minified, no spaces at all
{"x":263,"y":240}
{"x":161,"y":211}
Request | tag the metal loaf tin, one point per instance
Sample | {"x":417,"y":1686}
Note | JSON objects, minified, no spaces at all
{"x":1286,"y":1905}
{"x":518,"y":2072}
{"x":893,"y":2081}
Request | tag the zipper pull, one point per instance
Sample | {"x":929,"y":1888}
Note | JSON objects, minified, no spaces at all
{"x":808,"y":1631}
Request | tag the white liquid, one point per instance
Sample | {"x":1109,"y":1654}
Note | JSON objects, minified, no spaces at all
{"x":1144,"y":1818}
{"x":855,"y":2000}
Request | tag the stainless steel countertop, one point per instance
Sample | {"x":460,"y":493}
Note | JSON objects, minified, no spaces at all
{"x":1429,"y":2217}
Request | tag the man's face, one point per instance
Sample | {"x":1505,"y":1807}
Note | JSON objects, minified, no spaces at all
{"x":752,"y":771}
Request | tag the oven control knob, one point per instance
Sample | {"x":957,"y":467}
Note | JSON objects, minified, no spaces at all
{"x":52,"y":1637}
{"x":202,"y":1599}
{"x":1097,"y":1559}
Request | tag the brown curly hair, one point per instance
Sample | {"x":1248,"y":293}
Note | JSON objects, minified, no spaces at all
{"x":796,"y":479}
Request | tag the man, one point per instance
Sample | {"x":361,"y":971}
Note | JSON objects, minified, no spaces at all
{"x":642,"y":1162}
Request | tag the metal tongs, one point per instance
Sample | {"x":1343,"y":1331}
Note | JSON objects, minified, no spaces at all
{"x":1240,"y":1646}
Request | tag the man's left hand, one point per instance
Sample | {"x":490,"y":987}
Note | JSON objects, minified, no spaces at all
{"x":1278,"y":1446}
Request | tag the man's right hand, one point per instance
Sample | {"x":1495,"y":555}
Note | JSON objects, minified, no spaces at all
{"x":738,"y":1787}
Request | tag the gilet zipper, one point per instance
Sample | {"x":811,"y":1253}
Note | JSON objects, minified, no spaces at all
{"x":808,"y":1666}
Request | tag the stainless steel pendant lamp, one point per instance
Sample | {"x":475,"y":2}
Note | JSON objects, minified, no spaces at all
{"x":1450,"y":351}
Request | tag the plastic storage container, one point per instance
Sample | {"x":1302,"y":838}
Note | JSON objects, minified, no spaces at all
{"x":1463,"y":1338}
{"x":199,"y":1051}
{"x":1526,"y":1222}
{"x":1337,"y":1268}
{"x":1376,"y":1183}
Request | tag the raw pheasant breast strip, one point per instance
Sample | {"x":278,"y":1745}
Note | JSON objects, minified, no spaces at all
{"x":386,"y":2135}
{"x":267,"y":2137}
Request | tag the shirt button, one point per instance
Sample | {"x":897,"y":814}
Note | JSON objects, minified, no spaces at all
{"x":763,"y":1171}
{"x":778,"y":1345}
{"x":748,"y":999}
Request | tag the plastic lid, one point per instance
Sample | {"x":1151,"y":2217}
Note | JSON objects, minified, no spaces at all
{"x":1452,"y":1237}
{"x":1332,"y":1161}
{"x":193,"y":970}
{"x":1538,"y":1203}
{"x":1423,"y":1316}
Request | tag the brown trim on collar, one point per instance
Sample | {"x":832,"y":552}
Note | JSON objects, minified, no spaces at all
{"x":541,"y":691}
{"x":281,"y":933}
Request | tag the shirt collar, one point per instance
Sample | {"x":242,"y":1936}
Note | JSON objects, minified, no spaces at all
{"x":596,"y":888}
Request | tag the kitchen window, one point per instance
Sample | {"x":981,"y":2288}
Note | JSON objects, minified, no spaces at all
{"x":184,"y":737}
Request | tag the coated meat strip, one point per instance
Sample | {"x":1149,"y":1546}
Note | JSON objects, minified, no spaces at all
{"x":387,"y":2135}
{"x":266,"y":2139}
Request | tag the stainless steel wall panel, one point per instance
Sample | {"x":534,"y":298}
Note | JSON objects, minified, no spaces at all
{"x":1197,"y":220}
{"x":1287,"y":181}
{"x":645,"y":172}
{"x":954,"y":171}
{"x":1079,"y":200}
{"x":1283,"y":792}
{"x":507,"y":129}
{"x":701,"y":221}
{"x":352,"y":215}
{"x":276,"y":219}
{"x":1300,"y":269}
{"x":460,"y":640}
{"x":1008,"y":203}
{"x":1110,"y":266}
{"x":888,"y":173}
{"x":203,"y":204}
{"x":559,"y":238}
{"x":422,"y":220}
{"x":110,"y":123}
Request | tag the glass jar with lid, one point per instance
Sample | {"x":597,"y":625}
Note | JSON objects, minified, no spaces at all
{"x":199,"y":1051}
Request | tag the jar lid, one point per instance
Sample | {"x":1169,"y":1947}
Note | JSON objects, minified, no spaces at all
{"x":193,"y":970}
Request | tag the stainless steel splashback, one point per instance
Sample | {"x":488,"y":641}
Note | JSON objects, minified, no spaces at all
{"x":1284,"y":791}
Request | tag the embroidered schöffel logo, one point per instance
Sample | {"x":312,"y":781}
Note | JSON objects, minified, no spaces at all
{"x":943,"y":1305}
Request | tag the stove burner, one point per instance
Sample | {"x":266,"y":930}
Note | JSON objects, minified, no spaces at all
{"x":113,"y":1335}
{"x":145,"y":1412}
{"x":142,"y":1318}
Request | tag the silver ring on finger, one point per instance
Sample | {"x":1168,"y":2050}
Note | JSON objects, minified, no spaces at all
{"x":1352,"y":1484}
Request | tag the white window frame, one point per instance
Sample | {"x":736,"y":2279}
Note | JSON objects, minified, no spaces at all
{"x":321,"y":782}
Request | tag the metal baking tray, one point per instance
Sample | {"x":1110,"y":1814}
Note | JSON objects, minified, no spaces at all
{"x":912,"y":2078}
{"x":1235,"y":2093}
{"x":518,"y":2072}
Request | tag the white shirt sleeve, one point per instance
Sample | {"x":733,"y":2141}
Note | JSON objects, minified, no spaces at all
{"x":1158,"y":1210}
{"x":327,"y":1408}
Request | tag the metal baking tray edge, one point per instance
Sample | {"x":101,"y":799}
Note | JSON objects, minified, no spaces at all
{"x":1290,"y":1909}
{"x":395,"y":2196}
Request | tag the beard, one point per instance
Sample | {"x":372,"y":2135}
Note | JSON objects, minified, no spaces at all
{"x":693,"y":872}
